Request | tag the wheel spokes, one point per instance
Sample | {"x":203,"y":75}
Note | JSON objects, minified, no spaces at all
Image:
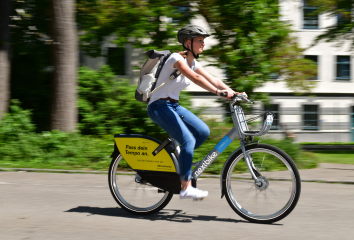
{"x":257,"y":201}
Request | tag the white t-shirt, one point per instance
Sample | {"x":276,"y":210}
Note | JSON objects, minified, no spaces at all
{"x":175,"y":86}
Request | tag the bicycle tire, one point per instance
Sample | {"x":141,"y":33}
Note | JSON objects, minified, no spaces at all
{"x":279,"y":193}
{"x":135,"y":197}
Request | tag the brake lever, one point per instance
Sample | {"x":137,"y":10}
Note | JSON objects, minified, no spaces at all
{"x":243,"y":97}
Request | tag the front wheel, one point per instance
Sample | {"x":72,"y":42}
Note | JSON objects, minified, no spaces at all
{"x":132,"y":193}
{"x":275,"y":197}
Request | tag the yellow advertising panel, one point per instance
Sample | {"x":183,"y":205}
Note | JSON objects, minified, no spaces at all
{"x":137,"y":152}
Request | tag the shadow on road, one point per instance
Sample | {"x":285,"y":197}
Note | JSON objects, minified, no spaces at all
{"x":164,"y":215}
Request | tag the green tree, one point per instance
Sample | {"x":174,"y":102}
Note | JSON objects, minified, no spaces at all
{"x":107,"y":106}
{"x":144,"y":24}
{"x":31,"y":59}
{"x":254,"y":43}
{"x":44,"y":43}
{"x":65,"y":63}
{"x":343,"y":11}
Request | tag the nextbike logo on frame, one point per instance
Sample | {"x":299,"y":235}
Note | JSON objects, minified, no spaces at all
{"x":208,"y":160}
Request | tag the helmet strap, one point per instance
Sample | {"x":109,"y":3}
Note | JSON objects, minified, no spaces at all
{"x":195,"y":56}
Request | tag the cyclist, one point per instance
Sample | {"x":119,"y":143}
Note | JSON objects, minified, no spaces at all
{"x":177,"y":121}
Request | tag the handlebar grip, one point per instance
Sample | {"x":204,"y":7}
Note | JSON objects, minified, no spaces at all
{"x":224,"y":94}
{"x":242,"y":96}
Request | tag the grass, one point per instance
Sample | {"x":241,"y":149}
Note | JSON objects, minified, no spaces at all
{"x":99,"y":166}
{"x":56,"y":150}
{"x":307,"y":160}
{"x":340,"y":157}
{"x":103,"y":164}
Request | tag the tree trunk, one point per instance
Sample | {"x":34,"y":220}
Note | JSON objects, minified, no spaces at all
{"x":65,"y":54}
{"x":5,"y":64}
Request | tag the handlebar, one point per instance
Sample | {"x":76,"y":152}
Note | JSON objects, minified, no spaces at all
{"x":224,"y":94}
{"x":240,"y":97}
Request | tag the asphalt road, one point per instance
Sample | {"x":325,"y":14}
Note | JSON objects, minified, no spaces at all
{"x":80,"y":206}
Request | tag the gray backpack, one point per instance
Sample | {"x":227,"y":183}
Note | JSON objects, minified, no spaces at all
{"x":149,"y":74}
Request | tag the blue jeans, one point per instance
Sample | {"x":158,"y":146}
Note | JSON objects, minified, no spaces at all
{"x":190,"y":131}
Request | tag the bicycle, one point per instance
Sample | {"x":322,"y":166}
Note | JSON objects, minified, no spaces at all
{"x":261,"y":182}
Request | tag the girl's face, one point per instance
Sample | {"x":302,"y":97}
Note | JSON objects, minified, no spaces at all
{"x":198,"y":44}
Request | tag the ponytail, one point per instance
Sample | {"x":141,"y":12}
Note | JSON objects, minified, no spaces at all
{"x":183,"y":53}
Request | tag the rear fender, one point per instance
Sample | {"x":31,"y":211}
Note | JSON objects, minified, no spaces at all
{"x":137,"y":150}
{"x":115,"y":152}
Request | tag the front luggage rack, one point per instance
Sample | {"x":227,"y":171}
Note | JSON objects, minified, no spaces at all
{"x":242,"y":122}
{"x":258,"y":116}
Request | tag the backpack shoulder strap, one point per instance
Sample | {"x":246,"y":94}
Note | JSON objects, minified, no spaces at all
{"x":174,"y":75}
{"x":163,"y":60}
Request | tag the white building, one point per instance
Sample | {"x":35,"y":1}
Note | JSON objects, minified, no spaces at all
{"x":327,"y":115}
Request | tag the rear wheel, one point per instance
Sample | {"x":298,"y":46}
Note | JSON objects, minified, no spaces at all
{"x":276,"y":195}
{"x":132,"y":193}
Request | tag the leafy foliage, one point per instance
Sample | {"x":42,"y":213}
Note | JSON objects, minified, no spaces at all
{"x":22,"y":147}
{"x":19,"y":142}
{"x":254,"y":43}
{"x":303,"y":160}
{"x":144,"y":24}
{"x":16,"y":123}
{"x":343,"y":29}
{"x":107,"y":105}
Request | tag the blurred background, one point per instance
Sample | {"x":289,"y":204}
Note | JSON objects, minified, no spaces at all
{"x":68,"y":73}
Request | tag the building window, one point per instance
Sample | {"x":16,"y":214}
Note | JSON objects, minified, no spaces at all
{"x":116,"y":59}
{"x":310,"y":117}
{"x":343,"y":68}
{"x":314,"y":59}
{"x":273,"y":76}
{"x":340,"y":19}
{"x":274,"y":108}
{"x":310,"y":19}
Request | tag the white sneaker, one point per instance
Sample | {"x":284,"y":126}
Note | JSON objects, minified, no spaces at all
{"x":193,"y":193}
